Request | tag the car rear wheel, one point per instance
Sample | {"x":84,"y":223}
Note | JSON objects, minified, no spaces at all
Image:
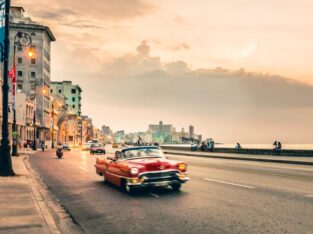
{"x":104,"y":179}
{"x":176,"y":187}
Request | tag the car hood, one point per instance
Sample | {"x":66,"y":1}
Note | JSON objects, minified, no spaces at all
{"x":152,"y":164}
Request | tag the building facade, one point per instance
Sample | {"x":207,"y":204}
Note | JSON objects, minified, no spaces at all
{"x":33,"y":73}
{"x":72,"y":95}
{"x":106,"y":131}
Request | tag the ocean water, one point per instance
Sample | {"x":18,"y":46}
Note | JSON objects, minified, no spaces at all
{"x":255,"y":146}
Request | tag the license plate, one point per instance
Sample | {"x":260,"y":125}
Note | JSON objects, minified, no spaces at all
{"x":161,"y":184}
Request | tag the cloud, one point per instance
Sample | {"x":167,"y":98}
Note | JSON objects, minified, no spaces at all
{"x":217,"y":88}
{"x":143,"y":50}
{"x":232,"y":98}
{"x":100,"y":10}
{"x":181,"y":46}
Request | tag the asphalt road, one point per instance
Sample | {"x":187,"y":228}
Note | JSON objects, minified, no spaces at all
{"x":223,"y":196}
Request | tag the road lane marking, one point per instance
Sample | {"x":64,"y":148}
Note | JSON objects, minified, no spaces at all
{"x":308,"y":195}
{"x":229,"y":183}
{"x":82,"y":168}
{"x":153,"y":195}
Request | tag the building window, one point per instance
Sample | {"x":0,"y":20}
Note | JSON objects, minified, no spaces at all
{"x":73,"y":106}
{"x":19,"y":73}
{"x":20,"y":48}
{"x":19,"y":86}
{"x":51,"y":90}
{"x":33,"y":87}
{"x":33,"y":74}
{"x":60,"y":91}
{"x":33,"y":61}
{"x":73,"y":99}
{"x":19,"y":60}
{"x":73,"y":90}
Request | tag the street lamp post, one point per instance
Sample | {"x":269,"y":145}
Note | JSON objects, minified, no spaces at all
{"x":21,"y":39}
{"x":5,"y":158}
{"x":34,"y":118}
{"x":34,"y":125}
{"x":52,"y":115}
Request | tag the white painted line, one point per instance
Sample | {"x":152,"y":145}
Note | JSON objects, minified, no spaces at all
{"x":154,"y":195}
{"x":82,"y":168}
{"x":229,"y":183}
{"x":308,"y":195}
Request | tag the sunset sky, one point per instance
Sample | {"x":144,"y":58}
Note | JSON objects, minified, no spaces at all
{"x":237,"y":70}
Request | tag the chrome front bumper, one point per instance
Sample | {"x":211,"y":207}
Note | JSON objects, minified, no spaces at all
{"x":160,"y":181}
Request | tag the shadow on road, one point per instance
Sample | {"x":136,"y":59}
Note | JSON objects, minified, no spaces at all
{"x":141,"y":193}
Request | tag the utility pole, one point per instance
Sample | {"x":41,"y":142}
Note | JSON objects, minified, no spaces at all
{"x":5,"y":158}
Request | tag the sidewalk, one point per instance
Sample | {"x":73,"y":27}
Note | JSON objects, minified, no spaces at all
{"x":28,"y":206}
{"x":21,"y":206}
{"x":247,"y":157}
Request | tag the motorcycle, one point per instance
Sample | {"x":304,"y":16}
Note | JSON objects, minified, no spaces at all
{"x":59,"y":152}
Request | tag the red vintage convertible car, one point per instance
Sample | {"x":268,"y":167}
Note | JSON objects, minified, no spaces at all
{"x":139,"y":167}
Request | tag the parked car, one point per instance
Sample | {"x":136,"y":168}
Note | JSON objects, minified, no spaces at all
{"x":97,"y":148}
{"x":66,"y":147}
{"x":86,"y":146}
{"x":140,"y":167}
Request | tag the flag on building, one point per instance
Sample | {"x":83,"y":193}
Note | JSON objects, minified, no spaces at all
{"x":12,"y":75}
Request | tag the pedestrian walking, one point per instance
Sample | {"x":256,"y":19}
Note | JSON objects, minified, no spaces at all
{"x":43,"y":146}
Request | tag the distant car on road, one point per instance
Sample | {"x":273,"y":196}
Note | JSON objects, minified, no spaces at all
{"x":66,"y":147}
{"x":97,"y":148}
{"x":140,"y":167}
{"x":114,"y":145}
{"x":86,"y":146}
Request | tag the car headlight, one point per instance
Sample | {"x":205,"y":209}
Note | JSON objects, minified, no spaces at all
{"x":182,"y":167}
{"x":134,"y":171}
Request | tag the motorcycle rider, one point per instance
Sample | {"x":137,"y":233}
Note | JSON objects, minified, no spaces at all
{"x":59,"y":150}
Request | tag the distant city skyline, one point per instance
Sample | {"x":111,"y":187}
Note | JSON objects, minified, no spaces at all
{"x":238,"y":71}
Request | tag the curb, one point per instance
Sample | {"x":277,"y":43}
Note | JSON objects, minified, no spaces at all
{"x":50,"y":226}
{"x":56,"y":218}
{"x":245,"y":159}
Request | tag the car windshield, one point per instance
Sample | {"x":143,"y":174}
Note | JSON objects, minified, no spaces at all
{"x":142,"y":153}
{"x":96,"y":145}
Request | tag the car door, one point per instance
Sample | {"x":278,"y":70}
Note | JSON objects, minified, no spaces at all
{"x":114,"y":172}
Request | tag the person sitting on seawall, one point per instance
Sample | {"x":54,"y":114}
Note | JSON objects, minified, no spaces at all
{"x":278,"y":148}
{"x":203,"y":147}
{"x":238,"y":146}
{"x":211,"y":146}
{"x":194,"y":146}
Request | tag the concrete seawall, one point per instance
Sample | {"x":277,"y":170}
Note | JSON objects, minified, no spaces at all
{"x":289,"y":152}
